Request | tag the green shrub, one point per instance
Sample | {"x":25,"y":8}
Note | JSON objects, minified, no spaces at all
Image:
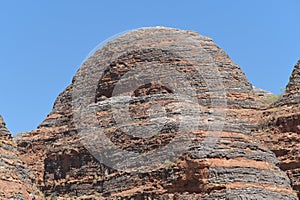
{"x":272,"y":98}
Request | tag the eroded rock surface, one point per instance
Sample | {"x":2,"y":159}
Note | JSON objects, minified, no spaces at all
{"x":292,"y":92}
{"x":16,"y":181}
{"x":280,"y":129}
{"x":234,"y":167}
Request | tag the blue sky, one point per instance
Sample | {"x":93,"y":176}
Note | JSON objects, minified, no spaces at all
{"x":43,"y":43}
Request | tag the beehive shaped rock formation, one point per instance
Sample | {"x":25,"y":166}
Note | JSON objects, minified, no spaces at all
{"x":292,"y":91}
{"x":221,"y":159}
{"x":16,"y":181}
{"x":294,"y":85}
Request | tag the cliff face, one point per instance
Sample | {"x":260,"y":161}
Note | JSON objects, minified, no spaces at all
{"x":293,"y":87}
{"x":222,"y":159}
{"x":16,"y":181}
{"x":292,"y":91}
{"x":280,"y":129}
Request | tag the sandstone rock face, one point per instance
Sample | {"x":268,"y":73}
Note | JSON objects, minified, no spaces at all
{"x":233,"y":166}
{"x":4,"y":132}
{"x":294,"y":85}
{"x":292,"y":93}
{"x":16,"y":181}
{"x":280,"y":129}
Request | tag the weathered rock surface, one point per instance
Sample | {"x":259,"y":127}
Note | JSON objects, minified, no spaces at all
{"x":280,"y":129}
{"x":294,"y":84}
{"x":16,"y":181}
{"x":292,"y":92}
{"x":236,"y":167}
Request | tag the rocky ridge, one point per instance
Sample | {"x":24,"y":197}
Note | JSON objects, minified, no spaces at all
{"x":239,"y":148}
{"x":16,"y":181}
{"x":292,"y":91}
{"x":280,"y":129}
{"x":236,"y":167}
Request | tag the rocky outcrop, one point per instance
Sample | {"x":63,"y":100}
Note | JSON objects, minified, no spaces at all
{"x":3,"y":130}
{"x":262,"y":93}
{"x":292,"y":92}
{"x":222,"y":159}
{"x":294,"y":85}
{"x":280,"y":128}
{"x":16,"y":181}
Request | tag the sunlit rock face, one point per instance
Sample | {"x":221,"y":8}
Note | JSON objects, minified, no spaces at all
{"x":16,"y":181}
{"x":234,"y":166}
{"x":292,"y":91}
{"x":280,"y":128}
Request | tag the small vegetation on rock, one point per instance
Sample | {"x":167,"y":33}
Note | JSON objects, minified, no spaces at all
{"x":273,"y":98}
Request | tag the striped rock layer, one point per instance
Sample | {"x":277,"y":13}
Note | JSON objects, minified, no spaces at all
{"x":172,"y":81}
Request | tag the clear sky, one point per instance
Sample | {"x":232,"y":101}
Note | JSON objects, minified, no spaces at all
{"x":43,"y":43}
